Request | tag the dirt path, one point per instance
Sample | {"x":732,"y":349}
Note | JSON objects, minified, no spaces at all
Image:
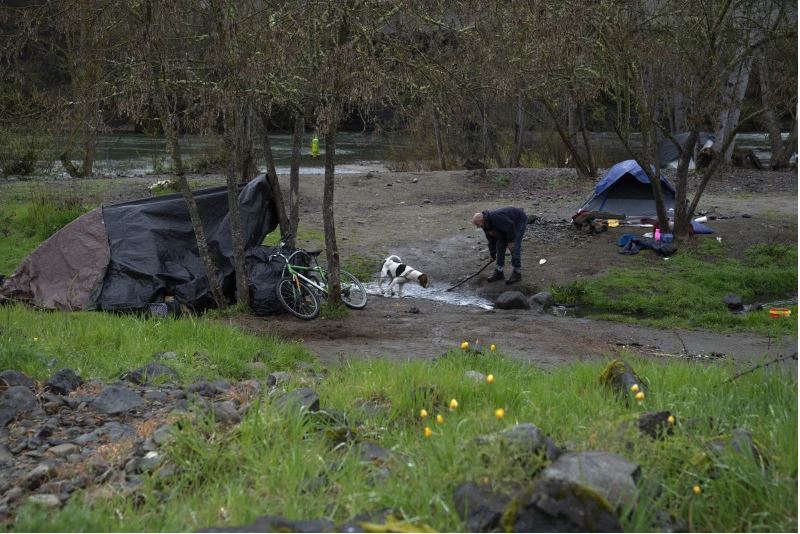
{"x":401,"y":329}
{"x":424,"y":218}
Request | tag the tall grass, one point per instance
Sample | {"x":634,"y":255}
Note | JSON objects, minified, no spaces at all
{"x":276,"y":462}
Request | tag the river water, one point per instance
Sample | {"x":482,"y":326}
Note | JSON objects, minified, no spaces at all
{"x":136,"y":154}
{"x":129,"y":154}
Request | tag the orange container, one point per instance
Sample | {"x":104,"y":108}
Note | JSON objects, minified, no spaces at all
{"x":780,"y":312}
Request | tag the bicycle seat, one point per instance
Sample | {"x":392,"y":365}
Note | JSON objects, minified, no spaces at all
{"x":313,"y":252}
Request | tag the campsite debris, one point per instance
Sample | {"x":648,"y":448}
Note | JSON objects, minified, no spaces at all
{"x":542,"y":261}
{"x":512,"y":300}
{"x":490,"y":378}
{"x":619,"y":377}
{"x":733,"y":302}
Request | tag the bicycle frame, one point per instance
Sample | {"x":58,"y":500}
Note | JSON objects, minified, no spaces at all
{"x":296,"y":272}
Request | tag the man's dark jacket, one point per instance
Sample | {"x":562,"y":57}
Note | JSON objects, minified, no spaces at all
{"x":503,"y":225}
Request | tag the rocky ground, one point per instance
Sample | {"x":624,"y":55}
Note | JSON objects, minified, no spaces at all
{"x":68,"y":435}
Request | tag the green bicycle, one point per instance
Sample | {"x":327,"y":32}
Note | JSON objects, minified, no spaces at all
{"x":301,"y":286}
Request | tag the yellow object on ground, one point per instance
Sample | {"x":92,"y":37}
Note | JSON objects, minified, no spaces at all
{"x":613,"y":223}
{"x":314,"y":147}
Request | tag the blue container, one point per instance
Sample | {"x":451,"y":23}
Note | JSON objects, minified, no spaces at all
{"x":666,"y":238}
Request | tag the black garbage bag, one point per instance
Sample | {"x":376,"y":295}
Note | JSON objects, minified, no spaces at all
{"x":264,"y":276}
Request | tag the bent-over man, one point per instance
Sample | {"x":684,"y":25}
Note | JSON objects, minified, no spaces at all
{"x":504,"y":228}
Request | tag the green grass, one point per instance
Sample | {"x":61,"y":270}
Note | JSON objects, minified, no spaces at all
{"x":277,"y":463}
{"x":688,"y":289}
{"x":105,"y":346}
{"x":30,"y":214}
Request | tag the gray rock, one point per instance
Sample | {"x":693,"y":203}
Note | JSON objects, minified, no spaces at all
{"x":541,"y":302}
{"x":18,"y":401}
{"x":11,"y":378}
{"x":370,"y":408}
{"x":371,"y":452}
{"x":117,"y":399}
{"x":5,"y":455}
{"x":479,"y":507}
{"x":654,"y":424}
{"x":257,"y":368}
{"x":36,"y":477}
{"x":739,"y":440}
{"x":278,"y":377}
{"x":512,"y":300}
{"x":609,"y":475}
{"x":156,"y":395}
{"x":63,"y":450}
{"x":561,"y":506}
{"x":522,"y":440}
{"x":303,"y":399}
{"x":14,"y":493}
{"x":268,"y":523}
{"x":166,"y":355}
{"x":210,"y":388}
{"x":149,"y":462}
{"x":152,"y":373}
{"x":48,"y":500}
{"x":164,"y":434}
{"x":475,"y":375}
{"x":64,"y":382}
{"x":733,"y":302}
{"x":225,"y":413}
{"x":112,"y":431}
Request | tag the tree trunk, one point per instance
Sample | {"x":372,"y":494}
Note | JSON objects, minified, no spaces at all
{"x":331,"y":248}
{"x":171,"y":129}
{"x":246,"y":150}
{"x":519,"y":133}
{"x":790,"y":147}
{"x":272,"y":179}
{"x":591,"y":165}
{"x":732,"y":103}
{"x":580,"y":166}
{"x":681,"y":178}
{"x":242,"y":286}
{"x":437,"y":134}
{"x":678,"y":112}
{"x":294,"y":176}
{"x":770,"y":118}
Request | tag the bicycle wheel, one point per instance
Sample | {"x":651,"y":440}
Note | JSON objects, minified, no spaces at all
{"x":298,"y":299}
{"x":353,"y":293}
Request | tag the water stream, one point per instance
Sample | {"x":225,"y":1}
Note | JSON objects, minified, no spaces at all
{"x":436,"y":292}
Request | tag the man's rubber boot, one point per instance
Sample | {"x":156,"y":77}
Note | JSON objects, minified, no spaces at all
{"x":497,"y":275}
{"x":516,"y":276}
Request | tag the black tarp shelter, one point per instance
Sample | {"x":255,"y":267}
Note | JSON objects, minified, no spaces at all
{"x":124,"y":257}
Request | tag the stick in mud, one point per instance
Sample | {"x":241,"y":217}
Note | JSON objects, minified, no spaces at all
{"x":470,"y":277}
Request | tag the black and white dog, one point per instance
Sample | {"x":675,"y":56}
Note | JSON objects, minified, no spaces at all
{"x":399,"y":273}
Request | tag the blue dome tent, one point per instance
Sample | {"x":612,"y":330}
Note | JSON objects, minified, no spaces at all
{"x":625,"y":190}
